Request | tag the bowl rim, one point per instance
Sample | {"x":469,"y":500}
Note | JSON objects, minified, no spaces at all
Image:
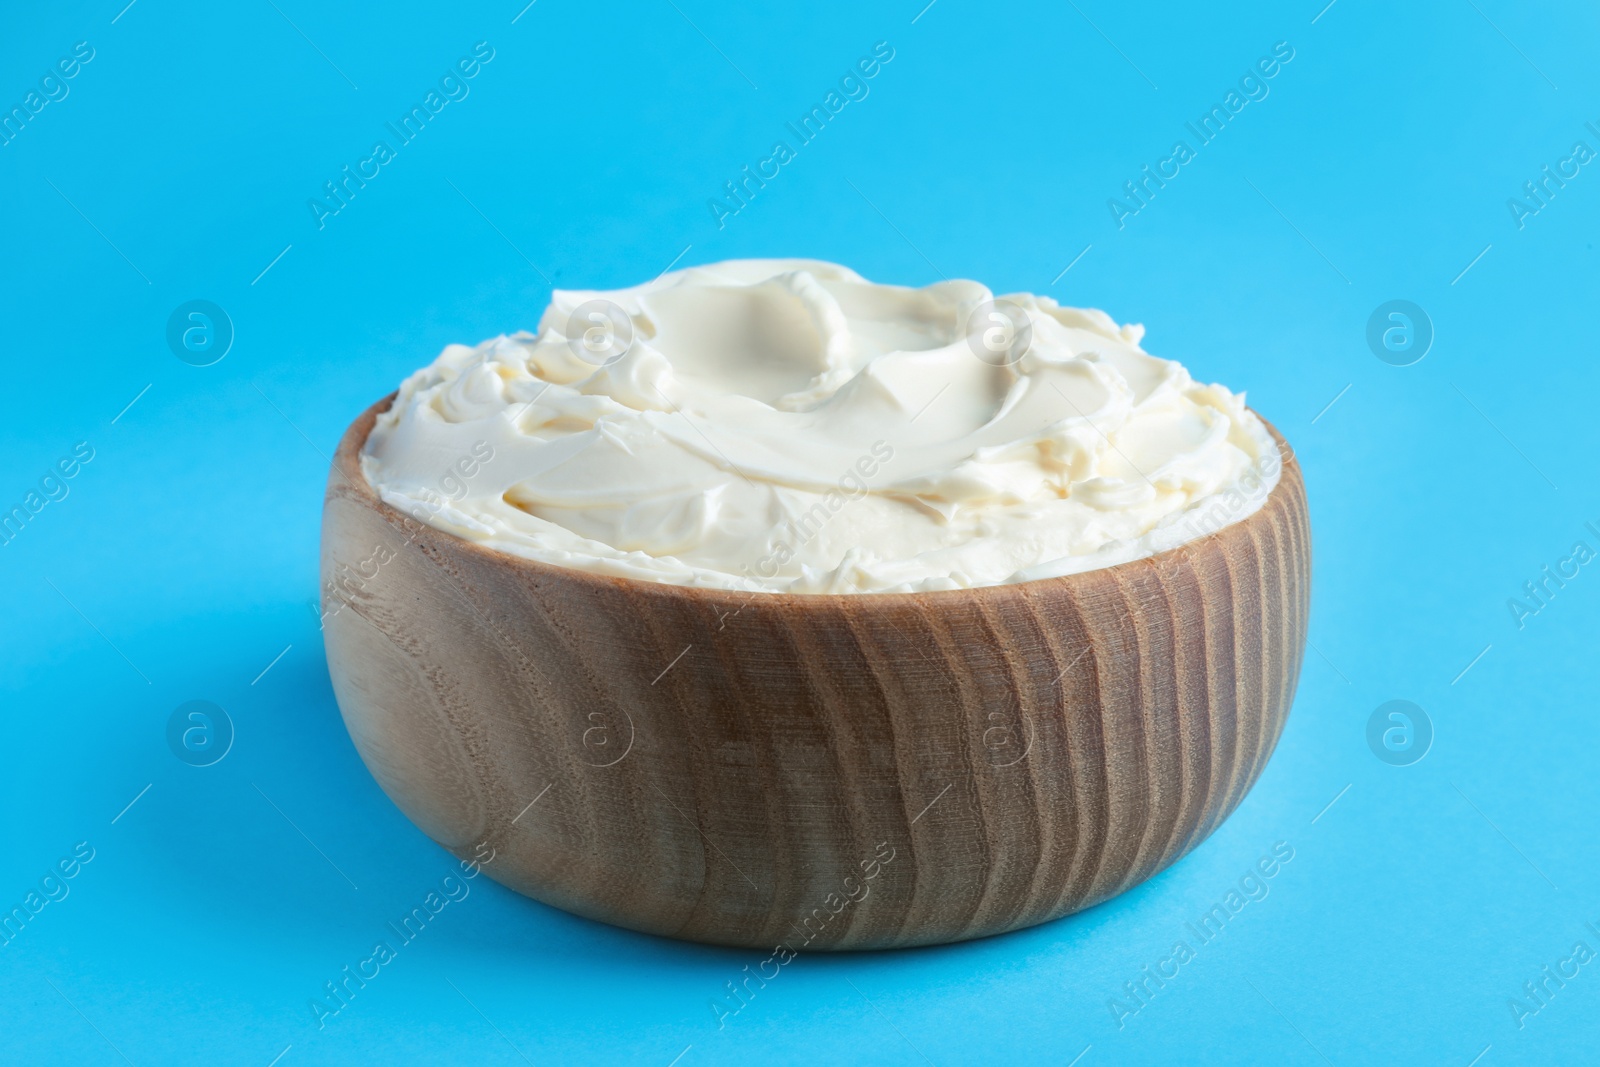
{"x":346,"y":466}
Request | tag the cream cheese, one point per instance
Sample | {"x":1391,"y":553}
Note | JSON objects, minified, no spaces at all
{"x":788,"y":426}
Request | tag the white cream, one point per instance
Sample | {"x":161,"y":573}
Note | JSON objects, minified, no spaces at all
{"x":788,"y":426}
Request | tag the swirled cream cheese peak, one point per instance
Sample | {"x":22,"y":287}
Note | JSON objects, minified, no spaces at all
{"x":789,"y":426}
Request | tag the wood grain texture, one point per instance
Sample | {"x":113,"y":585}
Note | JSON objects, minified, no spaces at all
{"x":820,"y":772}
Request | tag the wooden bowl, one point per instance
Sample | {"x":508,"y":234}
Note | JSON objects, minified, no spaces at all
{"x":811,"y":771}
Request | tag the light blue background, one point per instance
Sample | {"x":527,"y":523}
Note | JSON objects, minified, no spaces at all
{"x":184,"y":559}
